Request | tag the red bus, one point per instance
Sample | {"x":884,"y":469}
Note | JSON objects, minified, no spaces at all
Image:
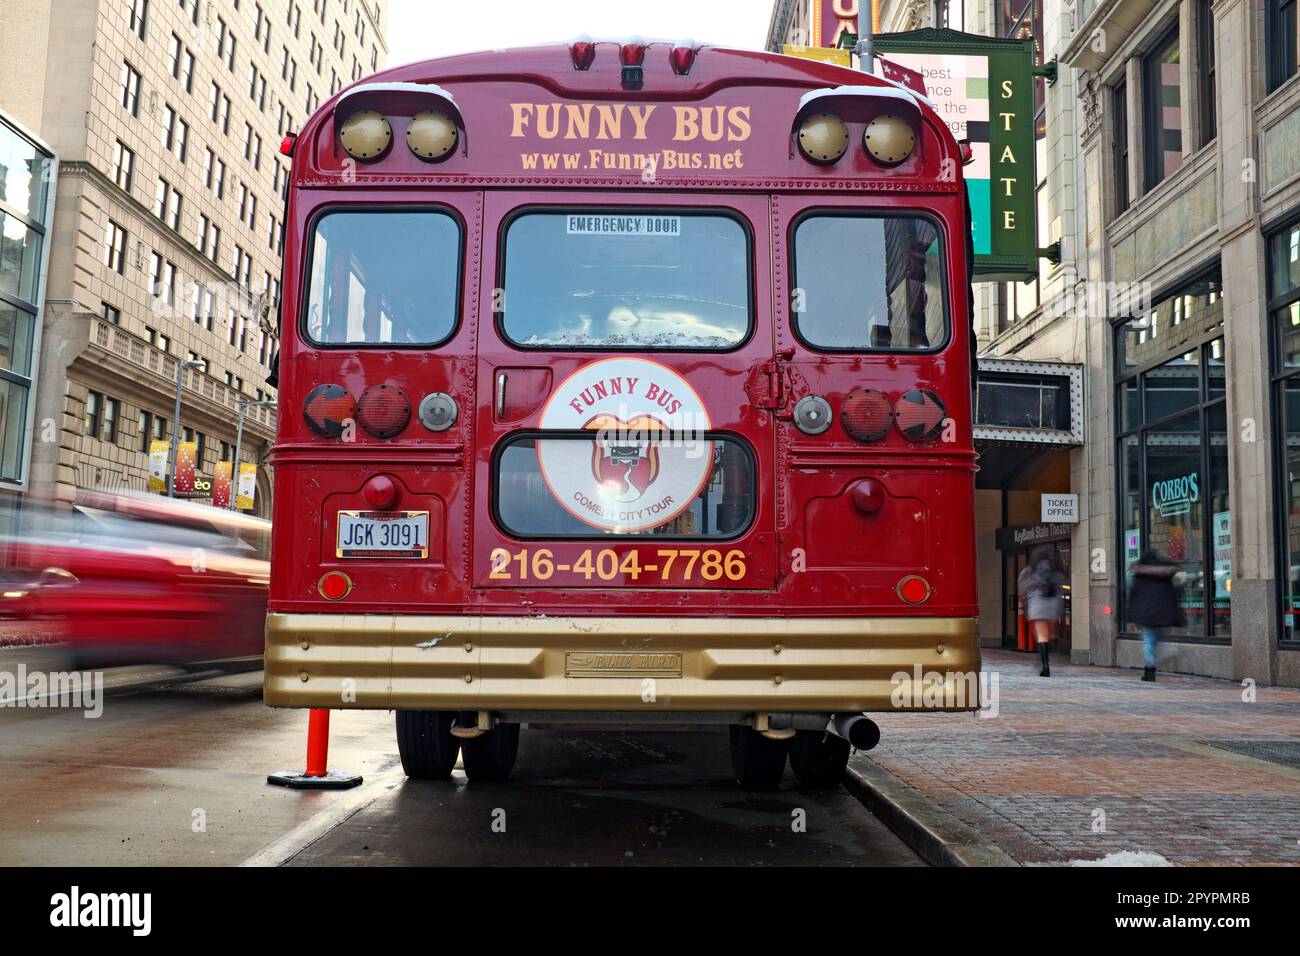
{"x":624,"y":383}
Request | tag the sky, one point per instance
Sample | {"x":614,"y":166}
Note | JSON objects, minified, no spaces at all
{"x":422,"y":29}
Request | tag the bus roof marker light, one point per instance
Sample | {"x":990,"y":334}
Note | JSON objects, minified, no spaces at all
{"x":583,"y":52}
{"x":432,"y":135}
{"x":682,"y":58}
{"x":287,"y":144}
{"x":823,"y":138}
{"x":366,"y":135}
{"x":889,"y":139}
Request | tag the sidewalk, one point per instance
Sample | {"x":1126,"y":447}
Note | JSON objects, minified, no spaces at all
{"x":1094,"y":745}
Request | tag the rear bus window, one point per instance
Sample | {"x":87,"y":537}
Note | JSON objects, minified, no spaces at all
{"x":625,"y":482}
{"x":864,"y":283}
{"x":626,"y":280}
{"x":384,"y":278}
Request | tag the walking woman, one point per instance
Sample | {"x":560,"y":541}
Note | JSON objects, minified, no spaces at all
{"x":1039,"y":586}
{"x":1153,"y":603}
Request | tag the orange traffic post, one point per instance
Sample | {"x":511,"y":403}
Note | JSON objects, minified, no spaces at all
{"x":316,"y":776}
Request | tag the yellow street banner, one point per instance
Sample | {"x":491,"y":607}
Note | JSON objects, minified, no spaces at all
{"x":822,"y":53}
{"x":158,"y":452}
{"x":247,"y":486}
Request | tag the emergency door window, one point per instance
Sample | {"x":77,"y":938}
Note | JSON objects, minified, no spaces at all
{"x":384,"y":278}
{"x":624,"y":482}
{"x":626,"y":280}
{"x":869,"y":283}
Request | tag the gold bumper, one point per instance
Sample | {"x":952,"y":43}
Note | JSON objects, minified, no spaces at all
{"x":616,"y":664}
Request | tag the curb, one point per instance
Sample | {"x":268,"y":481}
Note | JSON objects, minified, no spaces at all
{"x":935,"y":835}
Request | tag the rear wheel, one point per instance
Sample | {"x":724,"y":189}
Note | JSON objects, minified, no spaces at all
{"x":818,"y":758}
{"x":759,"y":763}
{"x":490,"y":757}
{"x":425,"y":743}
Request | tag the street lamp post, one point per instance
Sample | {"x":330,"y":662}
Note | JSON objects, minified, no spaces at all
{"x":176,"y":422}
{"x":865,"y":46}
{"x":244,"y":406}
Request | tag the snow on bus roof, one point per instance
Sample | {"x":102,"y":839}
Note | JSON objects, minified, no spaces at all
{"x":399,"y":87}
{"x":892,"y":91}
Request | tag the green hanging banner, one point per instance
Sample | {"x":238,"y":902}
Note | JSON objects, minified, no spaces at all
{"x":983,"y":88}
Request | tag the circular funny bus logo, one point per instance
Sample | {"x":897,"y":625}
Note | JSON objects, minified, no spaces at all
{"x":648,"y":460}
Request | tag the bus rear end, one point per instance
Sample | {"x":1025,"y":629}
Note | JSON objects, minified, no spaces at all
{"x":625,"y":384}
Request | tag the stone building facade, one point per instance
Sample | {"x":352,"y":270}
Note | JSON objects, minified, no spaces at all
{"x":169,"y":216}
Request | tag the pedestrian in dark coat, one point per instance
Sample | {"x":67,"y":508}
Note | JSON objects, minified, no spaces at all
{"x":1039,"y":585}
{"x":1153,"y":603}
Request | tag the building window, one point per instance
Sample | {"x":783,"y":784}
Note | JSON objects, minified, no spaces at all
{"x":109,"y":433}
{"x":110,"y":313}
{"x":123,"y":165}
{"x":94,"y":409}
{"x":115,"y":247}
{"x":130,"y":89}
{"x":1162,"y":109}
{"x":1119,"y":101}
{"x":1281,"y":42}
{"x":1205,"y":55}
{"x":1172,"y":454}
{"x":140,"y":18}
{"x":1284,"y":313}
{"x":144,"y":428}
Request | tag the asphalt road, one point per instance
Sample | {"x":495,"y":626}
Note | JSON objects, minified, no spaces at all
{"x":177,"y":777}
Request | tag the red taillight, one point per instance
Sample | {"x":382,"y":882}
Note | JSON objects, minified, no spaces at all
{"x":383,"y":411}
{"x":866,"y":414}
{"x":682,"y":58}
{"x":583,"y":53}
{"x":914,"y":589}
{"x":868,"y":495}
{"x":287,"y":144}
{"x":380,"y":491}
{"x":327,"y":410}
{"x":920,"y":414}
{"x":334,"y":585}
{"x":632,"y":53}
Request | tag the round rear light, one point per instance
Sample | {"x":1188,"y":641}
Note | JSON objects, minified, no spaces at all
{"x":380,"y":491}
{"x":866,"y":414}
{"x":889,"y":139}
{"x":327,"y":409}
{"x":812,"y":414}
{"x":920,"y":414}
{"x":431,"y":135}
{"x":334,"y":585}
{"x":823,"y":138}
{"x":868,"y":495}
{"x":383,"y":411}
{"x":366,"y":135}
{"x":914,"y":589}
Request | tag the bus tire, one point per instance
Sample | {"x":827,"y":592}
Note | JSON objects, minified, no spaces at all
{"x":491,"y":757}
{"x":818,"y":759}
{"x":425,"y":743}
{"x":759,"y":763}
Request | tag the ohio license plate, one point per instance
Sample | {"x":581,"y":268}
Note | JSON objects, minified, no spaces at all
{"x":383,"y":534}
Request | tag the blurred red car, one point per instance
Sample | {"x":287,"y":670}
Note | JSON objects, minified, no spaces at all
{"x":136,"y":579}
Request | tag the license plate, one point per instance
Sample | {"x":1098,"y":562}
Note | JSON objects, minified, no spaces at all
{"x":383,"y":534}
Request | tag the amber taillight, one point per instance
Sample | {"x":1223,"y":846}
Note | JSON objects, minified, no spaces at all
{"x":383,"y":411}
{"x":920,"y":414}
{"x":327,"y":410}
{"x":866,"y":414}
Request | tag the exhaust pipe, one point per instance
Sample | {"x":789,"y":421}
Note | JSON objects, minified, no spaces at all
{"x":858,"y":729}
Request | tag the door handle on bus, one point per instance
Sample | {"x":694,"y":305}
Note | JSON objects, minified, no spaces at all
{"x":501,"y":395}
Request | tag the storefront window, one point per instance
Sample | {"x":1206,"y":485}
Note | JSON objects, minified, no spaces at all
{"x":1284,"y":312}
{"x":1173,"y":452}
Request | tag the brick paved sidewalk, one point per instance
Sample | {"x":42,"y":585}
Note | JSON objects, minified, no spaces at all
{"x":1091,"y":740}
